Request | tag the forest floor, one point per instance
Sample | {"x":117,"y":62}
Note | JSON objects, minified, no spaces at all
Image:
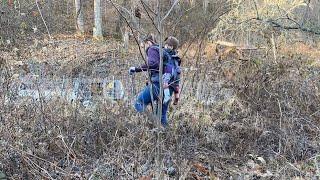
{"x":256,"y":118}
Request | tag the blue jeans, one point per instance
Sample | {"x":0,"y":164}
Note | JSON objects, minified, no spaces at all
{"x":144,"y":99}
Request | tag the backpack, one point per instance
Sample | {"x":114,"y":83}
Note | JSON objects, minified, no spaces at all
{"x":173,"y":61}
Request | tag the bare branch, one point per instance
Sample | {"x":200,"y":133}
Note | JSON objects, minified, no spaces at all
{"x":127,"y":11}
{"x":152,"y":19}
{"x":274,"y":23}
{"x":138,"y":44}
{"x":168,"y":13}
{"x":304,"y":29}
{"x":135,"y":38}
{"x":256,"y":9}
{"x":147,"y":6}
{"x":44,"y":22}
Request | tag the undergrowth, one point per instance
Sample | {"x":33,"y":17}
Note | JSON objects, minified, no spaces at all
{"x":253,"y":118}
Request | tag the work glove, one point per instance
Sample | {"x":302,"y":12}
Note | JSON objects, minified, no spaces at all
{"x":132,"y":70}
{"x":166,"y":94}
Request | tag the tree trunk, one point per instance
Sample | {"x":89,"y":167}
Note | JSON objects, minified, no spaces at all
{"x":97,"y":30}
{"x":10,"y":3}
{"x":191,"y":2}
{"x":120,"y":21}
{"x":315,"y":9}
{"x":79,"y":17}
{"x":205,"y":5}
{"x":125,"y":38}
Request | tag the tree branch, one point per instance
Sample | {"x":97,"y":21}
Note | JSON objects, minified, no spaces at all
{"x":135,"y":38}
{"x":147,"y":6}
{"x":256,"y":8}
{"x":138,"y":44}
{"x":152,"y":20}
{"x":168,"y":13}
{"x":304,"y":29}
{"x":274,"y":23}
{"x":44,"y":22}
{"x":127,"y":11}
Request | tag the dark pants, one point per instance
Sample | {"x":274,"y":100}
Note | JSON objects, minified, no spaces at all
{"x":144,"y":99}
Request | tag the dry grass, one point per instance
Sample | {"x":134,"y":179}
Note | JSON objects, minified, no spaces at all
{"x":263,"y":122}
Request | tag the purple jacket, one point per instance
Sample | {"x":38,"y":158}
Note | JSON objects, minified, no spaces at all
{"x":153,"y":58}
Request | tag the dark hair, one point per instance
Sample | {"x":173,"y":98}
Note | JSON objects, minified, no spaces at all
{"x":151,"y":38}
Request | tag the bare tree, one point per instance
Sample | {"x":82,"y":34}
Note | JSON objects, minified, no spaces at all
{"x":97,"y":30}
{"x":120,"y":21}
{"x":121,"y":28}
{"x":79,"y":16}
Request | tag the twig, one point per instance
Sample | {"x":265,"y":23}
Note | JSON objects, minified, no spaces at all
{"x":273,"y":42}
{"x":136,"y":40}
{"x":149,"y":8}
{"x":279,"y":105}
{"x":168,"y":13}
{"x":128,"y":12}
{"x":152,"y":20}
{"x":256,"y":8}
{"x":94,"y":171}
{"x":52,"y":164}
{"x":44,"y":22}
{"x":317,"y":167}
{"x":42,"y":169}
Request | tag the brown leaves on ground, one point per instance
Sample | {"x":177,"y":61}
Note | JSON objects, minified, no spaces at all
{"x":145,"y":178}
{"x":201,"y":168}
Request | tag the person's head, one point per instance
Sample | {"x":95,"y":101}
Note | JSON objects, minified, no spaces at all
{"x":149,"y":40}
{"x":171,"y":43}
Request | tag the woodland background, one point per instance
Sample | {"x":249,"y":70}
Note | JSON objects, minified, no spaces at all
{"x":249,"y":106}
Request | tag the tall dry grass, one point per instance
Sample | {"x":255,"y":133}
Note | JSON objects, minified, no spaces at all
{"x":247,"y":118}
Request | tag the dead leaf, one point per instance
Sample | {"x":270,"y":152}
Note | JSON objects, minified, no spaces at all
{"x":196,"y":177}
{"x":201,"y":168}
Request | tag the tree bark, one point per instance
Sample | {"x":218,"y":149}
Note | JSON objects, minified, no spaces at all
{"x":97,"y":30}
{"x":120,"y":21}
{"x":79,"y":17}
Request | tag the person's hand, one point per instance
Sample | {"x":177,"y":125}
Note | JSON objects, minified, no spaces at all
{"x":166,"y":96}
{"x":176,"y":100}
{"x":176,"y":96}
{"x":132,"y":70}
